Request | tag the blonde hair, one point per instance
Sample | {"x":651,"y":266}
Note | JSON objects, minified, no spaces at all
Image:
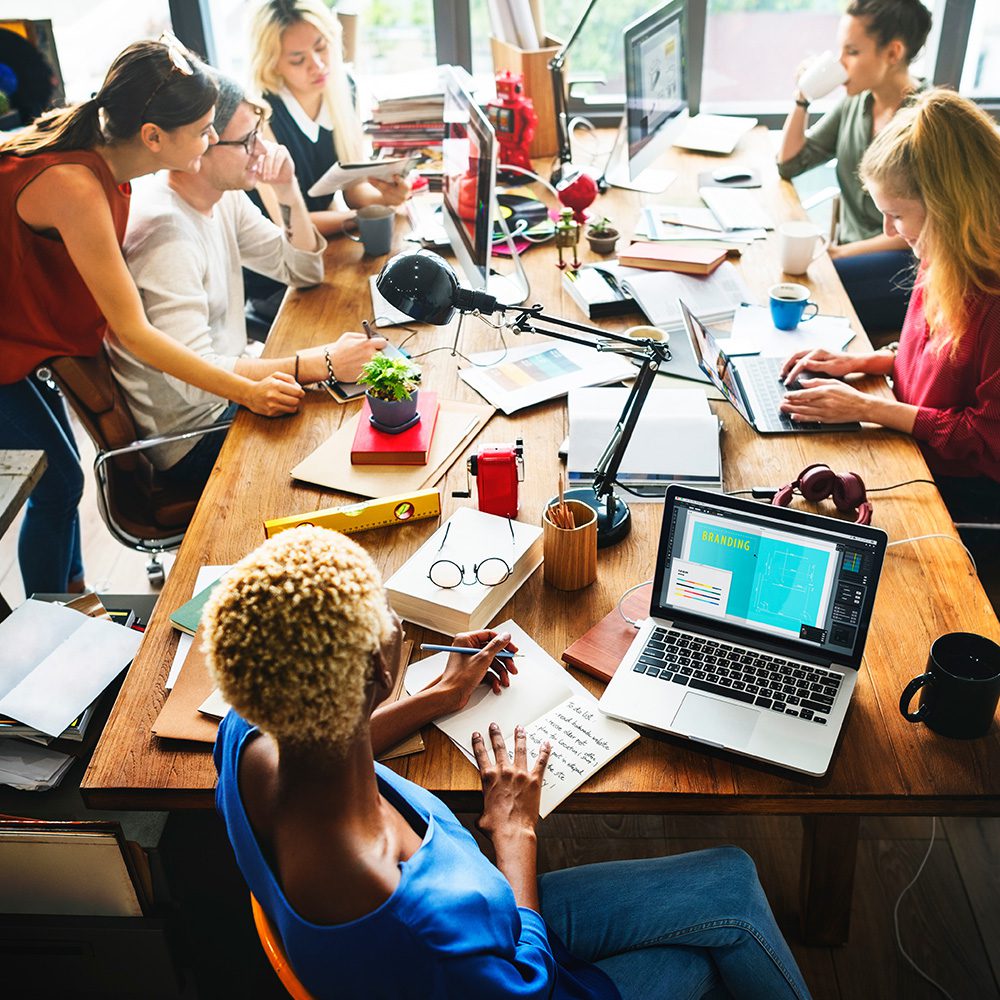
{"x":269,"y":26}
{"x":945,"y":152}
{"x":291,"y":632}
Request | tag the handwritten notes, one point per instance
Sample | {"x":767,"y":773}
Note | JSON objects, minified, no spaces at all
{"x":550,"y":703}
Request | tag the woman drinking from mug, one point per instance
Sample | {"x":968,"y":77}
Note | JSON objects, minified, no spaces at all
{"x":933,"y":172}
{"x":64,"y":198}
{"x":374,"y":887}
{"x":878,"y":40}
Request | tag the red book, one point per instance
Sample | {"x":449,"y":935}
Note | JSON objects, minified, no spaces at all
{"x":374,"y":447}
{"x":600,"y":649}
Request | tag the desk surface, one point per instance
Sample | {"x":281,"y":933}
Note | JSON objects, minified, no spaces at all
{"x":883,"y":764}
{"x":19,"y":472}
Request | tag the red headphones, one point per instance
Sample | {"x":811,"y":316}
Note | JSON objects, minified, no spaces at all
{"x":817,"y":482}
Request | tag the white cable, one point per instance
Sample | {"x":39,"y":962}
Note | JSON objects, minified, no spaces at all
{"x":938,"y":534}
{"x":895,"y":913}
{"x":621,"y":601}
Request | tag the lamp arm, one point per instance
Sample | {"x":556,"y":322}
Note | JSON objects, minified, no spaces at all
{"x":529,"y":317}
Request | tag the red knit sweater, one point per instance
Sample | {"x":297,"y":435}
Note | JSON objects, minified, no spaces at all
{"x":958,"y":421}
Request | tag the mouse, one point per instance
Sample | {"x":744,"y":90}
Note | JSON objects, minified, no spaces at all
{"x":731,"y":175}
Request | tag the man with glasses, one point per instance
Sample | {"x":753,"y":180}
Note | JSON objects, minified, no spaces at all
{"x":188,"y":237}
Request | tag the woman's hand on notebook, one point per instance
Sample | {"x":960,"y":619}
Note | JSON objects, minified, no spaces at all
{"x":463,"y":673}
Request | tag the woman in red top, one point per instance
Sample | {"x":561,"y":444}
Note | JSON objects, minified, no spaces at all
{"x":64,"y":196}
{"x":933,"y":173}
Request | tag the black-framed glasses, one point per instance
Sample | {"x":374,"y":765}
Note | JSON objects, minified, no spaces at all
{"x":180,"y":62}
{"x":448,"y":574}
{"x":249,"y":141}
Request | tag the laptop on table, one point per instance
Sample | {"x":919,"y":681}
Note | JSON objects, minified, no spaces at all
{"x":757,"y":626}
{"x":753,"y":384}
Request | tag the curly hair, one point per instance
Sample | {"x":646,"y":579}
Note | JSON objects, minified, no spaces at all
{"x":290,"y":634}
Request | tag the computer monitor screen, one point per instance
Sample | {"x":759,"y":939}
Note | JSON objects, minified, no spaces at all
{"x":470,"y":154}
{"x":655,"y":83}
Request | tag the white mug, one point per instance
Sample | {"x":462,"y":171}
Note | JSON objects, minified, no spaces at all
{"x":798,"y":246}
{"x":825,"y":73}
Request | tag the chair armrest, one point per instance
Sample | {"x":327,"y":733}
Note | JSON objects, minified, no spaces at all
{"x":153,"y":442}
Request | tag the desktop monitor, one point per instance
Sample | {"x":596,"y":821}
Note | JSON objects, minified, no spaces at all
{"x":655,"y":83}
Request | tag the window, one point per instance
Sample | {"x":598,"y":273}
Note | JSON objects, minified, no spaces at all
{"x":981,"y":73}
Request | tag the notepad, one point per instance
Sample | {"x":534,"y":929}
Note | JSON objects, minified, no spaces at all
{"x":550,"y":703}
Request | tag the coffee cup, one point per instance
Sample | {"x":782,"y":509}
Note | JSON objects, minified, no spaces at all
{"x":375,"y":225}
{"x":798,"y":245}
{"x":959,"y":689}
{"x":789,"y":303}
{"x":645,"y":332}
{"x":821,"y":76}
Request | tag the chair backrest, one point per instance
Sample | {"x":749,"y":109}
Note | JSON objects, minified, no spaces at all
{"x":135,"y":501}
{"x":275,"y":952}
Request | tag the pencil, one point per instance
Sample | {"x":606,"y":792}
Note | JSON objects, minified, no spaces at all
{"x":470,"y":650}
{"x":369,"y":332}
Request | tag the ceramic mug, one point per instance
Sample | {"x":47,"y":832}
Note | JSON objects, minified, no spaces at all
{"x":375,"y":225}
{"x":822,"y":75}
{"x":798,"y":245}
{"x":789,"y":303}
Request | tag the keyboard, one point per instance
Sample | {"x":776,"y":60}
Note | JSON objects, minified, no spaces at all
{"x":735,"y":209}
{"x":740,"y":674}
{"x":765,"y":390}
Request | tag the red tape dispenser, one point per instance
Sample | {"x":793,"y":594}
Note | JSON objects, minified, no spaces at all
{"x":498,"y":469}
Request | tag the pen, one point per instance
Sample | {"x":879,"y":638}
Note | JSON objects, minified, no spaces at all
{"x":470,"y":650}
{"x":367,"y":327}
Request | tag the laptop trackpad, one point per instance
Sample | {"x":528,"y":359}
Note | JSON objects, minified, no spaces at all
{"x":715,"y":721}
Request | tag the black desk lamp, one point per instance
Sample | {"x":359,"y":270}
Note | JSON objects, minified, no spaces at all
{"x":424,"y":286}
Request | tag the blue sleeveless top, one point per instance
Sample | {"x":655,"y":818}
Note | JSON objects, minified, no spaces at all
{"x":450,"y":929}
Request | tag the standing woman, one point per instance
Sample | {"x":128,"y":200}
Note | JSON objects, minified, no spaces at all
{"x":878,"y":40}
{"x":933,"y":174}
{"x":64,"y":198}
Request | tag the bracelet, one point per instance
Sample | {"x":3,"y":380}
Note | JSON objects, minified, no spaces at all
{"x":329,"y":365}
{"x":892,"y":348}
{"x":802,"y":103}
{"x":297,"y":366}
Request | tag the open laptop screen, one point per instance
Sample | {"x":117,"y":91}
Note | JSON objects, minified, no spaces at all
{"x":805,"y":581}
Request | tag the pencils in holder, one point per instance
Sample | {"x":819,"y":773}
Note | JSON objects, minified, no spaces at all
{"x":559,"y":513}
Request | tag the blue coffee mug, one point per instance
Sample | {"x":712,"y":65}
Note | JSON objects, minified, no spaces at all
{"x":789,"y":303}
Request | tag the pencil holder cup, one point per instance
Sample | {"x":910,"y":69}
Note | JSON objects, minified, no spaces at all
{"x":571,"y":553}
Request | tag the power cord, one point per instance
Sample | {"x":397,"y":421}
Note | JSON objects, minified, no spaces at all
{"x":937,"y":534}
{"x":895,"y":917}
{"x":621,"y":601}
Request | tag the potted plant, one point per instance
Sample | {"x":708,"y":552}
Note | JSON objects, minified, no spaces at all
{"x":602,"y":236}
{"x":392,"y":392}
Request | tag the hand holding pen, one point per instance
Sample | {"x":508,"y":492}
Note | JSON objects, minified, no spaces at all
{"x":479,"y":662}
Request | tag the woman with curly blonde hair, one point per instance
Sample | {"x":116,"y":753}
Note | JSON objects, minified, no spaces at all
{"x":933,"y":173}
{"x":374,"y":887}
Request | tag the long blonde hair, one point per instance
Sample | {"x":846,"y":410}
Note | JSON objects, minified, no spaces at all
{"x":944,"y":151}
{"x":269,"y":25}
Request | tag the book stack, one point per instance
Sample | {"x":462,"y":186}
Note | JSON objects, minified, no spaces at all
{"x":467,"y":538}
{"x":411,"y":447}
{"x":672,"y":257}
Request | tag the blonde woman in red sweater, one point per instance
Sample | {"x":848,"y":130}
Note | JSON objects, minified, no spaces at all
{"x":932,"y":173}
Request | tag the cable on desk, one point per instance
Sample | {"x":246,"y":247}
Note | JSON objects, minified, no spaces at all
{"x":621,"y":601}
{"x":937,"y":534}
{"x":895,"y":916}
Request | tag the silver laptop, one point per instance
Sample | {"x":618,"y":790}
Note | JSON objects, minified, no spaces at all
{"x":753,"y":384}
{"x":757,"y":624}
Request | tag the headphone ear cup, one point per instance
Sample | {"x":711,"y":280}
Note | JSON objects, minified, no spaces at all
{"x":816,"y":482}
{"x":783,"y":497}
{"x":849,"y":492}
{"x":865,"y":513}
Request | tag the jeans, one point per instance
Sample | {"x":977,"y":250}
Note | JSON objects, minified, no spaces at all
{"x":879,"y":286}
{"x":196,"y":466}
{"x":33,"y":416}
{"x":678,"y":927}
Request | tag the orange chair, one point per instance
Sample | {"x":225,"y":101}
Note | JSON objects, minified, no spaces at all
{"x":275,"y":952}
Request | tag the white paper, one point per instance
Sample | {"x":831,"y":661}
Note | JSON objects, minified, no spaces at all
{"x":29,"y":634}
{"x":549,"y":702}
{"x":340,"y":175}
{"x":214,"y":705}
{"x":714,"y":133}
{"x":752,"y":325}
{"x":207,"y":575}
{"x":74,"y":673}
{"x":24,"y":765}
{"x":523,"y":376}
{"x":524,"y":24}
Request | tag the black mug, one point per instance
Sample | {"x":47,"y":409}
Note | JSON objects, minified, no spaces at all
{"x":960,"y":688}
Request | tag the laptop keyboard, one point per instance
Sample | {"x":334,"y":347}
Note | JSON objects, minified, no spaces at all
{"x":740,"y":674}
{"x":763,"y":382}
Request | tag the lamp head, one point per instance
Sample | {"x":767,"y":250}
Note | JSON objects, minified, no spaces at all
{"x":425,"y":287}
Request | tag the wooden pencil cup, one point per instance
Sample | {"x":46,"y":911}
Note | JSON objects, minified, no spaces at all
{"x":534,"y":66}
{"x":571,"y":553}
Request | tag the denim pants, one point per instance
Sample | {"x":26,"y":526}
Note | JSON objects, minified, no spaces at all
{"x":196,"y":466}
{"x":679,"y":927}
{"x":33,"y":416}
{"x":879,"y":286}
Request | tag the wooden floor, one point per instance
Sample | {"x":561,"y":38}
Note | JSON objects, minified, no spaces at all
{"x":949,"y":922}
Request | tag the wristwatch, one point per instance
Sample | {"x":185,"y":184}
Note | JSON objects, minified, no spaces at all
{"x":802,"y":103}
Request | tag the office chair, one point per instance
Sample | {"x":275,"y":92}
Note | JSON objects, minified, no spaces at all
{"x":141,"y":510}
{"x":275,"y":952}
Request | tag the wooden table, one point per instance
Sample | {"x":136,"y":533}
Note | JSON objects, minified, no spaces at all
{"x":883,"y":765}
{"x":19,"y":473}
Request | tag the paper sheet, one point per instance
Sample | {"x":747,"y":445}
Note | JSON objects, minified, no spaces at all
{"x":206,"y":575}
{"x":31,"y":768}
{"x":752,"y":325}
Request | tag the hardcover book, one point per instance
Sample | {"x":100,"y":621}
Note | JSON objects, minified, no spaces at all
{"x":673,"y":257}
{"x":375,"y":447}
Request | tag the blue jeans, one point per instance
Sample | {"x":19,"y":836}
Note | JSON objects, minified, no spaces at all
{"x":678,"y":927}
{"x":33,"y":416}
{"x":879,"y":286}
{"x":196,"y":466}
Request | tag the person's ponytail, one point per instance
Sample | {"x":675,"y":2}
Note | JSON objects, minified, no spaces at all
{"x":63,"y":129}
